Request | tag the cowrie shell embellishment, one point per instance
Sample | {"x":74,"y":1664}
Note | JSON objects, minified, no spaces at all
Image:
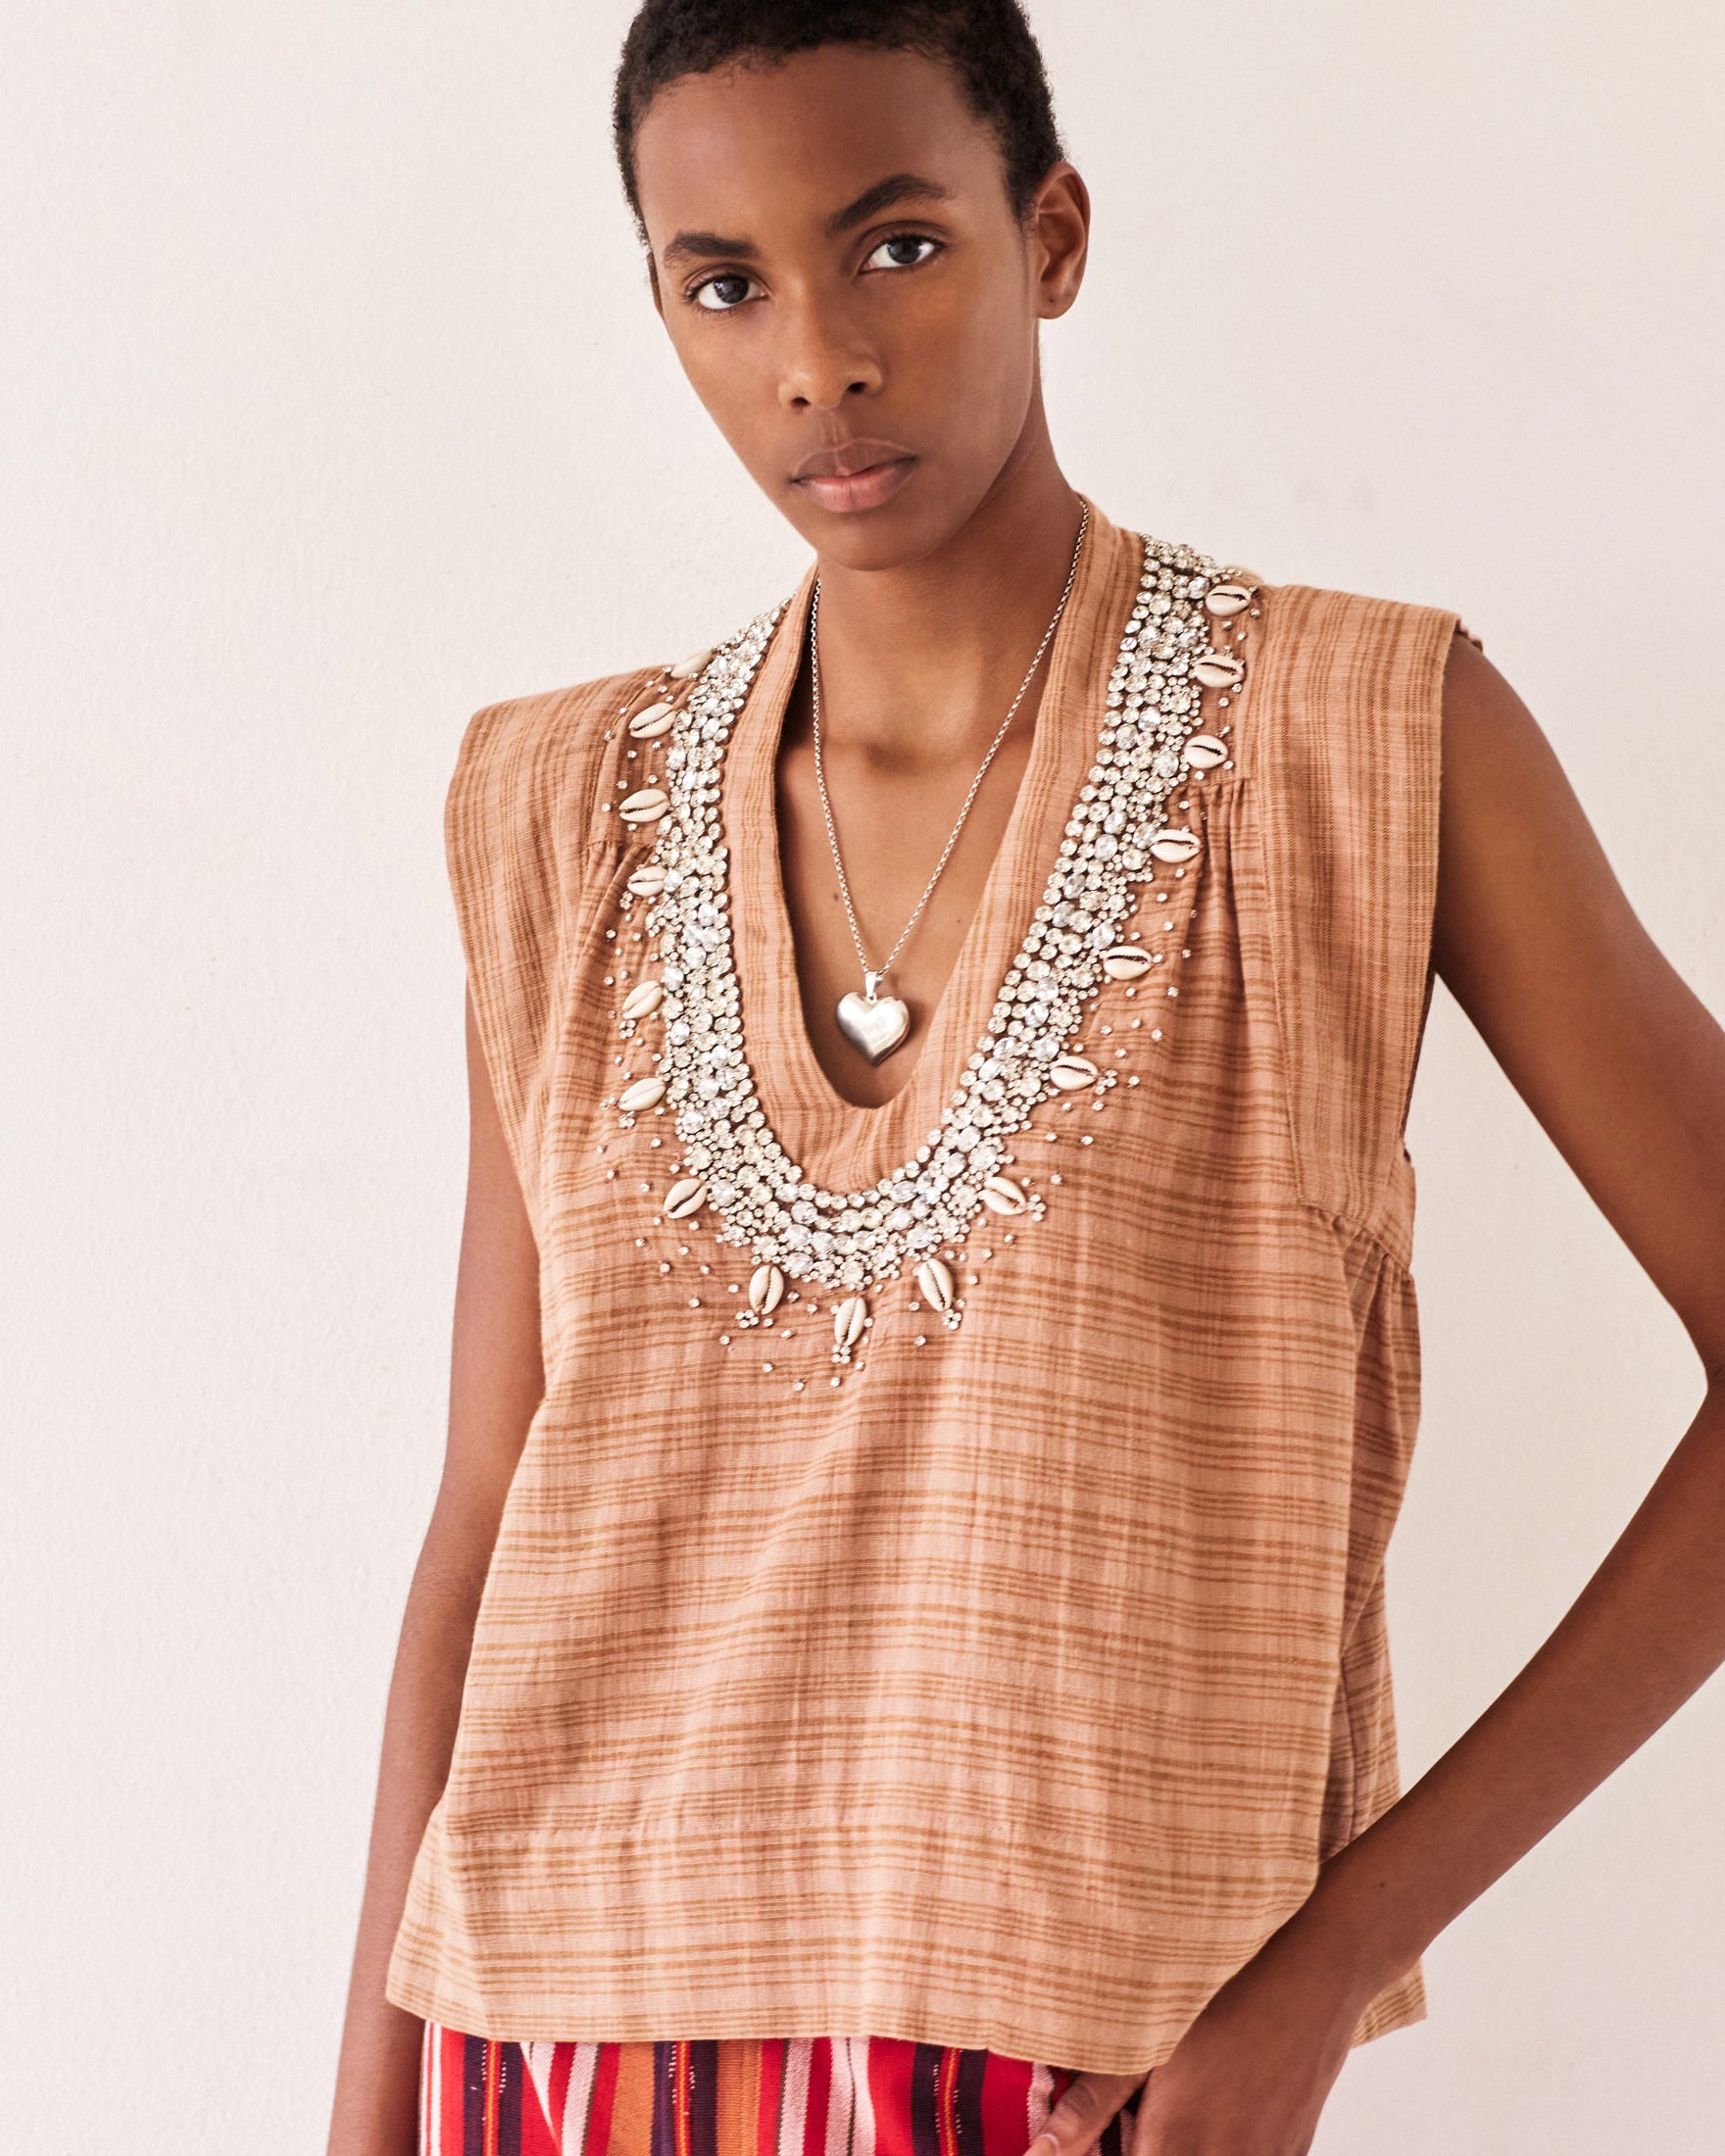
{"x":654,"y":721}
{"x":849,"y":1318}
{"x":1073,"y":1072}
{"x":685,"y":1198}
{"x":937,"y":1288}
{"x":813,"y":1257}
{"x":1125,"y":962}
{"x":1219,"y":671}
{"x":767,"y":1288}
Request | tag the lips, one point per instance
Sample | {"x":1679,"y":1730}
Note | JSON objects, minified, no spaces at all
{"x":845,"y":460}
{"x":859,"y":474}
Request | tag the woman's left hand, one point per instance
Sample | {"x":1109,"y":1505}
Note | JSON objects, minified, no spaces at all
{"x":1249,"y":2076}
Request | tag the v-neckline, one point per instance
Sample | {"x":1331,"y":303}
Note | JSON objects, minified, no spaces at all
{"x":836,"y":1143}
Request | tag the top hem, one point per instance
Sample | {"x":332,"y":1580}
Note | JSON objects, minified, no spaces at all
{"x":1402,"y":2005}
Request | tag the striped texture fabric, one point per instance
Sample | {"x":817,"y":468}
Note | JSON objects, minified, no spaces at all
{"x":804,"y":2096}
{"x":1008,"y":1695}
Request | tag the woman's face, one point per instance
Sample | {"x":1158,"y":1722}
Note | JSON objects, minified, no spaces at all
{"x":837,"y":262}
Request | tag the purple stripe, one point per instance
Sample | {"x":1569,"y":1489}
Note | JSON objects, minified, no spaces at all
{"x":924,"y":2068}
{"x":661,"y":2139}
{"x":473,"y":2053}
{"x":967,"y":2105}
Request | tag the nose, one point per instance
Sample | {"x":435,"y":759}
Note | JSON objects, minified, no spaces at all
{"x":824,"y":361}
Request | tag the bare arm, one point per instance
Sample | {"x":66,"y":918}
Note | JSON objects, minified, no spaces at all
{"x":496,"y":1381}
{"x":1625,"y":1068}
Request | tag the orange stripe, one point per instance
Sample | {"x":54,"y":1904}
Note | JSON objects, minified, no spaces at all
{"x":631,"y":2111}
{"x":492,"y":2092}
{"x":737,"y":2098}
{"x":945,"y":2086}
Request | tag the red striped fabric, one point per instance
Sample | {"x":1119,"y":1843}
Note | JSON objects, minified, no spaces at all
{"x":774,"y":2096}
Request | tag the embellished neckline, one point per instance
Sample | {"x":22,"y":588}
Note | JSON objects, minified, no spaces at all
{"x":819,"y":1223}
{"x":839,"y":1143}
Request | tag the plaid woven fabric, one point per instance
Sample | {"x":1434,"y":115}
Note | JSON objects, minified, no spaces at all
{"x":1009,"y":1688}
{"x":795,"y":2096}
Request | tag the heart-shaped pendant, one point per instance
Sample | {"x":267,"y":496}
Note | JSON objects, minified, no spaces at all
{"x":874,"y":1025}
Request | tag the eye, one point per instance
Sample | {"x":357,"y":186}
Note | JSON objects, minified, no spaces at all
{"x":721,"y":294}
{"x":896,"y":250}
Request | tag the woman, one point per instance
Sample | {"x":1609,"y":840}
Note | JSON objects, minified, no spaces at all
{"x":935,"y":1359}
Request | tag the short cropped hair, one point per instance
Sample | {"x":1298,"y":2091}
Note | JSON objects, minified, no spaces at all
{"x":987,"y":43}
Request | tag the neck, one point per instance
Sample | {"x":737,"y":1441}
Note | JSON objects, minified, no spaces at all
{"x":917,"y":665}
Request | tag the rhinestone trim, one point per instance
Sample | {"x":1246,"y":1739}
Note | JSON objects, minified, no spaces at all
{"x":732,"y":1166}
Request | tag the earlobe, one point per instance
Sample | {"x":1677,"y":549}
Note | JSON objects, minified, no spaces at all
{"x":1062,"y":217}
{"x":1061,"y":277}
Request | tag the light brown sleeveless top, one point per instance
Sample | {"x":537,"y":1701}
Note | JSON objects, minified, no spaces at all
{"x":1001,"y":1682}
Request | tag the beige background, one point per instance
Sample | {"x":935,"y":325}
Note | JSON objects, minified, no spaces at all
{"x":335,"y":409}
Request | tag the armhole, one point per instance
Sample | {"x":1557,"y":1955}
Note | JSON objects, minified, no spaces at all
{"x":529,"y":828}
{"x":1349,"y":743}
{"x":484,"y":881}
{"x":1432,"y":758}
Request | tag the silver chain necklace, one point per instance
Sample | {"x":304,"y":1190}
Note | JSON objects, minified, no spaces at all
{"x":1082,"y":947}
{"x":876,"y":1024}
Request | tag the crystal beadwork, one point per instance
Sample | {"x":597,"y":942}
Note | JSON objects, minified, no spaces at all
{"x":733,"y":1170}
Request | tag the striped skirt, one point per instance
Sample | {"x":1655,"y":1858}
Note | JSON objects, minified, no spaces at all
{"x":772,"y":2096}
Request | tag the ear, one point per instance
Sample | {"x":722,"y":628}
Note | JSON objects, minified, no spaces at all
{"x":652,"y":285}
{"x":1057,"y":227}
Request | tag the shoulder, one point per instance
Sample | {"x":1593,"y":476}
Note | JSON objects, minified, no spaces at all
{"x":1345,"y":696}
{"x":1322,"y":631}
{"x":547,"y":730}
{"x":539,"y":755}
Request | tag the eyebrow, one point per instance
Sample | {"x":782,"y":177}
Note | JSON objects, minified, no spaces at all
{"x":895,"y":187}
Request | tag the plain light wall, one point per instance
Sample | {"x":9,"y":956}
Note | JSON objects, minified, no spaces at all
{"x":336,"y":407}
